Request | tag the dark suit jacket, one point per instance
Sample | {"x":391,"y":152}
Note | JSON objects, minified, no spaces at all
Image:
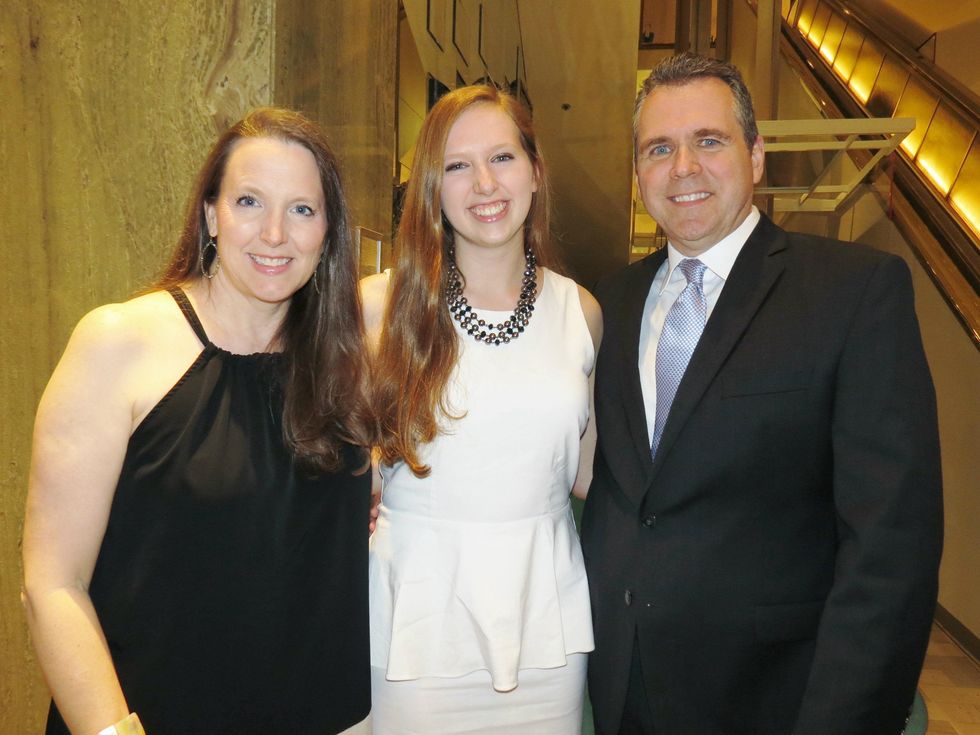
{"x":778,"y":563}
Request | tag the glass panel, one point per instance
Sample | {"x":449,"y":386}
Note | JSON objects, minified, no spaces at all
{"x":865,"y":71}
{"x":919,"y":102}
{"x":831,"y":39}
{"x":945,"y":146}
{"x":847,"y":55}
{"x":965,"y":195}
{"x":888,"y":87}
{"x":805,"y":21}
{"x":820,"y":21}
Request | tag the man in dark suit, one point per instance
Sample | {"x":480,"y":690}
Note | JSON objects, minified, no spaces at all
{"x":764,"y":528}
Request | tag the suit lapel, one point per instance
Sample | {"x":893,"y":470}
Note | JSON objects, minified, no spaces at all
{"x":636,"y":297}
{"x":756,"y":270}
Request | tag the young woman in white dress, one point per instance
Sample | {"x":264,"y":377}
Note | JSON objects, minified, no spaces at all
{"x":480,"y":618}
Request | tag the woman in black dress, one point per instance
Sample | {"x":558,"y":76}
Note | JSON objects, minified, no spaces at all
{"x":195,"y":546}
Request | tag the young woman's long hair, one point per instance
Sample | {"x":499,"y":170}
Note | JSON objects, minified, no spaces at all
{"x":419,"y":347}
{"x":324,"y":379}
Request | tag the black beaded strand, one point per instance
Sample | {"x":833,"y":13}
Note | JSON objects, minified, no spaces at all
{"x":479,"y":329}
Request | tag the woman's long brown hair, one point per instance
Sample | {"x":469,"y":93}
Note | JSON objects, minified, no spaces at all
{"x":419,"y":346}
{"x":325,"y":411}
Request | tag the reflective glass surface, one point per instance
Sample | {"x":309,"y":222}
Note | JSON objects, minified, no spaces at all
{"x":888,"y":87}
{"x":965,"y":194}
{"x":819,"y":26}
{"x":944,"y":147}
{"x":847,"y":54}
{"x":918,"y":101}
{"x":805,"y":19}
{"x":865,"y":71}
{"x":832,"y":38}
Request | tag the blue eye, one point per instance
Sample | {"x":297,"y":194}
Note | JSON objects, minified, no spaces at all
{"x":659,"y":150}
{"x":246,"y":201}
{"x":305,"y":210}
{"x":455,"y":166}
{"x":710,"y":143}
{"x":503,"y":157}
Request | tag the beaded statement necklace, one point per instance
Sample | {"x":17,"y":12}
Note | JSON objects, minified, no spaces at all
{"x":482,"y":331}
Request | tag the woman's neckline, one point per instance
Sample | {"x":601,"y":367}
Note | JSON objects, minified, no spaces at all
{"x":180,"y":294}
{"x":541,"y":290}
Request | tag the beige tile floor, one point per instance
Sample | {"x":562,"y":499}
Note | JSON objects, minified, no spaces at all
{"x":950,"y":686}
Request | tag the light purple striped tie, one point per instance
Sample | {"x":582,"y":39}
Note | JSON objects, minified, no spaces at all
{"x":680,"y":335}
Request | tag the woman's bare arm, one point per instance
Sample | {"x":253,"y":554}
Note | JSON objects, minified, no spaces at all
{"x":80,"y":436}
{"x":593,"y":317}
{"x":374,"y":297}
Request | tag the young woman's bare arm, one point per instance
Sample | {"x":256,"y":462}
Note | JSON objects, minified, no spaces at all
{"x":593,"y":317}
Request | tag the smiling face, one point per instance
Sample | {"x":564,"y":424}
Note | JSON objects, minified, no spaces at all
{"x":268,"y":219}
{"x":694,"y":170}
{"x":488,"y":179}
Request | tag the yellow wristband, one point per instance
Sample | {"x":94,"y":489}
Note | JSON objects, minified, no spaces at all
{"x":129,"y":725}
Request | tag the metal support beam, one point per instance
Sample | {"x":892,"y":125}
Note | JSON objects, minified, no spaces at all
{"x":724,"y":30}
{"x":702,"y":27}
{"x":682,"y":26}
{"x":877,"y":135}
{"x":765,"y":94}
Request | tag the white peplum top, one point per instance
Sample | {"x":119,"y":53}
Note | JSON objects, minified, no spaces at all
{"x":478,"y":566}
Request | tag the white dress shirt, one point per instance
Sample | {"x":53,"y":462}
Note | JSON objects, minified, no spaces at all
{"x":667,"y":286}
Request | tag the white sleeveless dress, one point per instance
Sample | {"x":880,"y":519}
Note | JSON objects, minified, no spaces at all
{"x":480,"y":612}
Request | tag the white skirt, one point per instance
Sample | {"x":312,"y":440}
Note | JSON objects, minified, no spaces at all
{"x":361,"y":728}
{"x":545,"y":702}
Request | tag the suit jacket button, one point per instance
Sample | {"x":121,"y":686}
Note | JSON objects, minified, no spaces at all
{"x":628,"y":597}
{"x":650,"y":521}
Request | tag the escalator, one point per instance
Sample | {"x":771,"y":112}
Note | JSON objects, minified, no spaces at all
{"x":858,"y":69}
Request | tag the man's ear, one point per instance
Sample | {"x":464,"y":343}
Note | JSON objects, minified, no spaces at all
{"x":758,"y":154}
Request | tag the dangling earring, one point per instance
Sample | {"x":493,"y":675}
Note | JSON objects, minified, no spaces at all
{"x":316,"y":274}
{"x":216,"y":263}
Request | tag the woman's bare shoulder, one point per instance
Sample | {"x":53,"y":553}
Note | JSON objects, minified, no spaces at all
{"x":593,"y":314}
{"x":130,"y":346}
{"x":374,"y":298}
{"x":133,"y":351}
{"x":129,"y":326}
{"x":374,"y":290}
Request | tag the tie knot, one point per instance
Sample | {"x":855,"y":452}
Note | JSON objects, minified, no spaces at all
{"x":693,"y":270}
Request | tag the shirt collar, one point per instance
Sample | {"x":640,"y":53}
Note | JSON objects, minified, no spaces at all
{"x":720,"y":257}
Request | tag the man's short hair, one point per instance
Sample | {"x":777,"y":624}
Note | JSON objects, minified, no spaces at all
{"x":679,"y":70}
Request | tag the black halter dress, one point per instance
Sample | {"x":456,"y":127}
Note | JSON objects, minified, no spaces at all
{"x":231,"y":585}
